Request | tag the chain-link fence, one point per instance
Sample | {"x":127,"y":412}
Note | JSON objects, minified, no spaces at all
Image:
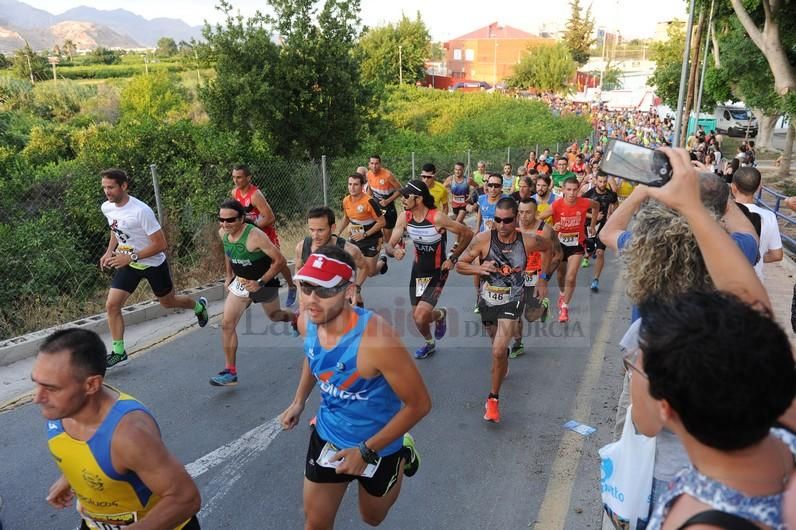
{"x":52,"y":231}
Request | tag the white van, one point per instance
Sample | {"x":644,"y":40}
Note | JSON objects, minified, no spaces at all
{"x":734,"y":121}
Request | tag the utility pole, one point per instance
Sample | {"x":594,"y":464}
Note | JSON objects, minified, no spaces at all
{"x":689,"y":101}
{"x":678,"y":119}
{"x":30,"y":69}
{"x":400,"y":65}
{"x":196,"y":56}
{"x":704,"y":62}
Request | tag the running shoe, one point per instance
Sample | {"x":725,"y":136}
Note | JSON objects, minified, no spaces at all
{"x":595,"y":285}
{"x":584,"y":264}
{"x":203,"y":317}
{"x":291,"y":296}
{"x":115,"y":360}
{"x":492,"y":410}
{"x":383,"y":259}
{"x":563,"y":315}
{"x":546,"y":311}
{"x":224,"y":378}
{"x":426,"y":351}
{"x":516,"y":350}
{"x":476,"y":310}
{"x":441,"y":325}
{"x":413,"y":461}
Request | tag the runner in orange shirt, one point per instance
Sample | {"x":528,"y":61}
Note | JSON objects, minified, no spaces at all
{"x":366,"y":218}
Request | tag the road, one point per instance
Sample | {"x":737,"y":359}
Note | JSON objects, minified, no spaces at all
{"x":525,"y":472}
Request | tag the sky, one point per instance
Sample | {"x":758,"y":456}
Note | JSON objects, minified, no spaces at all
{"x":445,"y":19}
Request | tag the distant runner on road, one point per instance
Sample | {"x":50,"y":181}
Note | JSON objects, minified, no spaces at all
{"x":371,"y":395}
{"x":367,"y":219}
{"x":135,"y":250}
{"x":107,"y":444}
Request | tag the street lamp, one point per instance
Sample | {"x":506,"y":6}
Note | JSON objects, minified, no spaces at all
{"x":400,"y":65}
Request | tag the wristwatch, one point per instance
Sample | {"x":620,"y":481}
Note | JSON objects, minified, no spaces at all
{"x":368,"y":455}
{"x":544,"y":276}
{"x":260,"y":282}
{"x":134,"y":257}
{"x":453,"y":259}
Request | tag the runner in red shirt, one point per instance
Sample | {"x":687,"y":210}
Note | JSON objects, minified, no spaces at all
{"x":569,"y":218}
{"x":259,"y":212}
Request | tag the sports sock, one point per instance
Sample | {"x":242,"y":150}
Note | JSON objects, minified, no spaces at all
{"x":118,"y":346}
{"x":232,"y":370}
{"x":430,"y":341}
{"x":198,"y":308}
{"x":565,"y":305}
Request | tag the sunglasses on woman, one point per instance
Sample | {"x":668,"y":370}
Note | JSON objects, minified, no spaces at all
{"x":323,"y":292}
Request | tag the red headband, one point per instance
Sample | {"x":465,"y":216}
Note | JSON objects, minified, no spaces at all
{"x":324,"y":271}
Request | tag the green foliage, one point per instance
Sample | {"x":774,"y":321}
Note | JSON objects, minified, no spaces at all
{"x":4,"y":62}
{"x":546,"y":68}
{"x":382,"y":59}
{"x":578,"y":36}
{"x":166,"y":47}
{"x":60,"y":100}
{"x":103,"y":56}
{"x":28,"y":64}
{"x":116,"y":70}
{"x":304,"y":96}
{"x":15,"y":93}
{"x":668,"y":56}
{"x":153,"y":96}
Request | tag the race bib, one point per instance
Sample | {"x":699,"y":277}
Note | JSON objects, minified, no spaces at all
{"x":569,"y":240}
{"x":325,"y":460}
{"x":531,"y":278}
{"x":104,"y":521}
{"x":494,"y":295}
{"x":357,"y":229}
{"x":489,"y":223}
{"x":237,"y":288}
{"x":420,"y":286}
{"x":124,"y":249}
{"x":459,"y":199}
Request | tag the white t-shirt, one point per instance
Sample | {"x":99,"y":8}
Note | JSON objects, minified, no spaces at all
{"x":769,"y":234}
{"x":133,"y":223}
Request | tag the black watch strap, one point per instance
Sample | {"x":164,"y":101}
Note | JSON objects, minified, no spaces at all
{"x":368,"y":455}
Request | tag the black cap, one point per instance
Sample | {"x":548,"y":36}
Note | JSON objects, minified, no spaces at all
{"x":415,"y":187}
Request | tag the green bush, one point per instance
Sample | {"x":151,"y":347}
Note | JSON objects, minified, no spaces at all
{"x":60,"y":100}
{"x":47,"y":145}
{"x":15,"y":93}
{"x":156,"y":96}
{"x":116,"y":70}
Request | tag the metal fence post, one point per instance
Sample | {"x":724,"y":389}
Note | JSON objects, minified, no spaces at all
{"x":537,"y":151}
{"x":153,"y":168}
{"x":508,"y":155}
{"x":325,"y":183}
{"x":558,"y":147}
{"x":413,"y":164}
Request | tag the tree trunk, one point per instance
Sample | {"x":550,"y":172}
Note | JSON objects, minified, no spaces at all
{"x":715,"y":40}
{"x":692,"y":80}
{"x":766,"y":129}
{"x":784,"y":166}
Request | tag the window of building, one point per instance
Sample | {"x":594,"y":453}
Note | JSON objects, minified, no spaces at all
{"x":469,"y":54}
{"x":457,"y":54}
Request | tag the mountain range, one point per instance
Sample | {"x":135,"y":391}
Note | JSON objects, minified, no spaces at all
{"x":87,"y":27}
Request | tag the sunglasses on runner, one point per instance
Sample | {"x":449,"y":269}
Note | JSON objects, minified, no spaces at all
{"x":323,"y":292}
{"x":494,"y":185}
{"x":503,"y":220}
{"x":227,"y":219}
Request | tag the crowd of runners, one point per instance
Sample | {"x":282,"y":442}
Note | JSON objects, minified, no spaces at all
{"x":512,"y":230}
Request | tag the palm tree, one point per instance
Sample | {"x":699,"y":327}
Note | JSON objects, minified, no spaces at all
{"x":69,"y":48}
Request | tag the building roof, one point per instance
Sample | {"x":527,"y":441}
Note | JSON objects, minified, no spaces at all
{"x":496,"y":31}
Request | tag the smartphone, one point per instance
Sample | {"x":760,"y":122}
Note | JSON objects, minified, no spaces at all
{"x":636,"y":163}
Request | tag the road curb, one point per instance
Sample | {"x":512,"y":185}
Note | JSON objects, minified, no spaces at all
{"x":18,"y":348}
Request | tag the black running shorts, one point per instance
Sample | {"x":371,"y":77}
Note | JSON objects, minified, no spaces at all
{"x":193,"y":524}
{"x":267,"y":293}
{"x":430,"y":286}
{"x":571,"y":251}
{"x":378,"y":485}
{"x":491,"y":314}
{"x":390,"y":216}
{"x":369,"y":246}
{"x":159,"y":278}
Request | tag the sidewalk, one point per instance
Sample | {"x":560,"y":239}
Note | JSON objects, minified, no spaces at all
{"x":779,"y":278}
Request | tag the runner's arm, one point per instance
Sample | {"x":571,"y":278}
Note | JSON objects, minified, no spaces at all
{"x":463,"y":232}
{"x":261,"y":242}
{"x":397,"y":193}
{"x":292,"y":414}
{"x":112,"y":244}
{"x":397,"y":235}
{"x":558,"y":252}
{"x":476,"y":250}
{"x":544,"y":215}
{"x":595,"y":214}
{"x":359,"y":261}
{"x":376,"y":227}
{"x":297,"y":261}
{"x":136,"y":446}
{"x":343,"y":225}
{"x":229,"y":275}
{"x":621,"y":217}
{"x":267,"y":217}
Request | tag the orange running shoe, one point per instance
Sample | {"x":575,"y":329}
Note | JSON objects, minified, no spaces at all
{"x":563,"y":315}
{"x":492,"y":410}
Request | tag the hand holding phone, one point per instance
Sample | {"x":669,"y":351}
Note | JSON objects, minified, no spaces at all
{"x":636,"y":163}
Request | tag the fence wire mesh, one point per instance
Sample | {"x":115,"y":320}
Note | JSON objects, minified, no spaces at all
{"x":52,"y":231}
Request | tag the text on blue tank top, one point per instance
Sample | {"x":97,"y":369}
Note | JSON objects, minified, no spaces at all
{"x":352,"y":408}
{"x":487,"y":210}
{"x":460,"y":190}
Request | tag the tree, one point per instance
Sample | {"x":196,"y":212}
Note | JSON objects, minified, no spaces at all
{"x":546,"y":68}
{"x":69,"y":48}
{"x":611,"y":77}
{"x":166,"y":47}
{"x":579,"y":34}
{"x":304,"y":96}
{"x":156,"y":96}
{"x":381,"y":58}
{"x":104,"y":56}
{"x":4,"y":63}
{"x":668,"y":57}
{"x":30,"y":65}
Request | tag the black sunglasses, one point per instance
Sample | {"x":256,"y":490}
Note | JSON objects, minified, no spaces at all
{"x":503,"y":220}
{"x":494,"y":185}
{"x":323,"y":292}
{"x":228,"y":219}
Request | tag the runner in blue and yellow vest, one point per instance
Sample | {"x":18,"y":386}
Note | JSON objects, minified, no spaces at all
{"x":106,"y":443}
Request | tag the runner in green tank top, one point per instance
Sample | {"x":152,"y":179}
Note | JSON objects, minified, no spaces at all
{"x":252,"y":263}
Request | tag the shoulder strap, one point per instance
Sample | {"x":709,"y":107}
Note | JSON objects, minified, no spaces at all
{"x":724,"y":520}
{"x":340,"y":242}
{"x":306,"y":249}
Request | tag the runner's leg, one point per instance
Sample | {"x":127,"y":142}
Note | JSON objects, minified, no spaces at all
{"x":424,"y":314}
{"x":374,"y":509}
{"x":571,"y":276}
{"x":504,"y":330}
{"x":113,"y":305}
{"x":234,"y":306}
{"x":173,"y":300}
{"x":599,"y":263}
{"x":321,"y":502}
{"x":275,"y":311}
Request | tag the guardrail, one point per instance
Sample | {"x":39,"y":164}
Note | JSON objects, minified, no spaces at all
{"x":788,"y":241}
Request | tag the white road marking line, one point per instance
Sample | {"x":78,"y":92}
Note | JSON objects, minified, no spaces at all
{"x":558,"y":494}
{"x":235,"y":456}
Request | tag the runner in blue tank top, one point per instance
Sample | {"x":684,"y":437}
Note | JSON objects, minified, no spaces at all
{"x":371,"y":395}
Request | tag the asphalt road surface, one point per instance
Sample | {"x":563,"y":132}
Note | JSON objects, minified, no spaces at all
{"x":527,"y":471}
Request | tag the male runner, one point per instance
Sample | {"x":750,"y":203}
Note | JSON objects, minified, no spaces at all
{"x":535,"y":308}
{"x":485,"y":212}
{"x":106,"y":443}
{"x":508,"y":179}
{"x":428,"y":174}
{"x":544,"y":197}
{"x":460,"y":188}
{"x":426,"y":226}
{"x":479,"y":177}
{"x":569,"y":217}
{"x":371,"y":395}
{"x":560,"y":174}
{"x":135,"y":250}
{"x":252,"y":263}
{"x":367,"y":219}
{"x":503,"y":253}
{"x":321,"y":224}
{"x":259,"y":212}
{"x":384,"y":187}
{"x":608,"y":201}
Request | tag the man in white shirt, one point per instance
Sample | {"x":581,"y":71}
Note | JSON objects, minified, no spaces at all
{"x":135,"y":250}
{"x":745,"y":183}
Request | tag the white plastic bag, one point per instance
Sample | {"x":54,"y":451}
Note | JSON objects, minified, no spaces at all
{"x":626,"y":478}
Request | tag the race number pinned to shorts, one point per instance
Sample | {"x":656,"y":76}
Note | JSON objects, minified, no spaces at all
{"x":531,"y":278}
{"x":569,"y":240}
{"x":459,"y":199}
{"x":357,"y":229}
{"x":494,"y":295}
{"x":118,"y":521}
{"x":420,"y":286}
{"x":327,"y":453}
{"x":237,"y":288}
